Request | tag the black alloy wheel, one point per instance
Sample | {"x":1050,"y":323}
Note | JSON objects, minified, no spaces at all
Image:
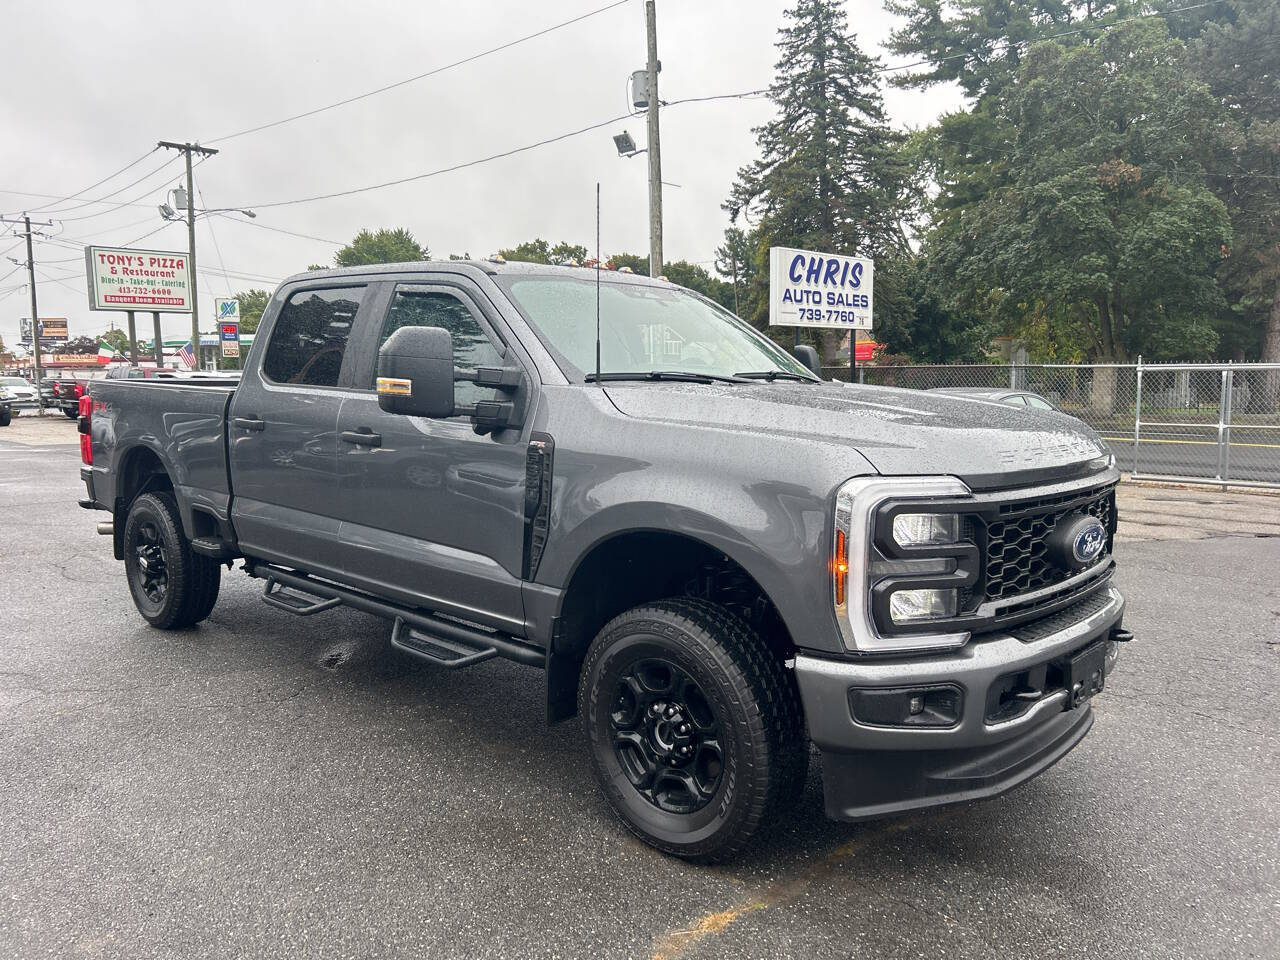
{"x":172,"y":586}
{"x":667,"y":736}
{"x":149,"y":553}
{"x":694,"y":726}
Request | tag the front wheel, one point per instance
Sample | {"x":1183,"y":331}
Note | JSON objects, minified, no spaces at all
{"x":6,"y":416}
{"x":694,"y":726}
{"x":172,"y":587}
{"x":71,"y":414}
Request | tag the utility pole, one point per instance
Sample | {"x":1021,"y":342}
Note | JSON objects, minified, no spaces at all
{"x":188,"y":149}
{"x":655,"y":153}
{"x":35,"y":312}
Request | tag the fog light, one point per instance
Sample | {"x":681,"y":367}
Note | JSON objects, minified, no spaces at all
{"x":910,"y":606}
{"x":937,"y":706}
{"x":925,"y":529}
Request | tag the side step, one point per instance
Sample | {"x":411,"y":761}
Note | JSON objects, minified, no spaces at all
{"x":276,"y":595}
{"x":215,"y":548}
{"x":439,"y":639}
{"x":442,"y":652}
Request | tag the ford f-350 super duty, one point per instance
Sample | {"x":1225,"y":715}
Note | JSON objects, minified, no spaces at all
{"x":713,"y":556}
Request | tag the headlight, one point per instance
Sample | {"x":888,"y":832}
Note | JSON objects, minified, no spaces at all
{"x":926,"y":529}
{"x":856,"y":570}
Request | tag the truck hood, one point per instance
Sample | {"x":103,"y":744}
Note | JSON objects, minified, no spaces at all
{"x":899,"y":432}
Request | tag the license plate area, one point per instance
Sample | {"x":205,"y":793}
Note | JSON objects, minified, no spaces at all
{"x":1085,"y":673}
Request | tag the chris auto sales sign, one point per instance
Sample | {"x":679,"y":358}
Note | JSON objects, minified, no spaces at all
{"x":124,"y":279}
{"x":809,"y":289}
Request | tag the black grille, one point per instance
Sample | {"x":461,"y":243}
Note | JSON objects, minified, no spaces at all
{"x":1015,"y":561}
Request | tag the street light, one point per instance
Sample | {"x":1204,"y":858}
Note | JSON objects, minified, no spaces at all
{"x":626,"y":145}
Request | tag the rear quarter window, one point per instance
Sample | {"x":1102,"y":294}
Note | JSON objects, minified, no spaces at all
{"x":310,"y":336}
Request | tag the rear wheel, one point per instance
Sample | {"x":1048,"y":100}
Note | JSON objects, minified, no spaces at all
{"x":71,"y":414}
{"x":694,"y":726}
{"x":171,"y":586}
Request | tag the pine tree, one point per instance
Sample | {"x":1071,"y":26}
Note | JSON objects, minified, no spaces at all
{"x":829,"y":176}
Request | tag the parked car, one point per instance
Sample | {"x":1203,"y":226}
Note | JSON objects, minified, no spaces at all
{"x":712,"y":555}
{"x":22,"y":393}
{"x":1014,"y":398}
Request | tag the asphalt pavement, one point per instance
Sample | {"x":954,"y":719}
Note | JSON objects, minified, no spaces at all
{"x":268,"y":786}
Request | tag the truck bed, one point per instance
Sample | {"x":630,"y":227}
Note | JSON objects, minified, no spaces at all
{"x":181,"y":422}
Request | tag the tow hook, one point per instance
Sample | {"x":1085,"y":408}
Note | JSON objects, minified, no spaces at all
{"x":1121,"y":635}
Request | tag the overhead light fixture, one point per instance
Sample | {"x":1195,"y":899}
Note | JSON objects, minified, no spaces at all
{"x":626,"y":144}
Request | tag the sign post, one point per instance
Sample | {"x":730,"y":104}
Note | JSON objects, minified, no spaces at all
{"x":227,"y":311}
{"x":827,"y":291}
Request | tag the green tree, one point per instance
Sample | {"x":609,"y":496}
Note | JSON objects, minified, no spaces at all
{"x":81,"y":346}
{"x":383,"y":246}
{"x":539,"y":251}
{"x":736,"y":261}
{"x":633,"y":261}
{"x":252,"y":304}
{"x":117,"y":340}
{"x":1102,"y":218}
{"x":1237,"y":57}
{"x":830,"y":175}
{"x":980,"y":44}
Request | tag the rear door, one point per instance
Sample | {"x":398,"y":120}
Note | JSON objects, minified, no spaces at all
{"x":282,"y":431}
{"x":433,"y":513}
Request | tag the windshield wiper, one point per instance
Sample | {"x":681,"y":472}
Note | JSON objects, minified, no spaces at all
{"x":687,"y":376}
{"x":772,"y":375}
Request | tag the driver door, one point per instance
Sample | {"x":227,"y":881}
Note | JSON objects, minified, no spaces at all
{"x":432,"y":512}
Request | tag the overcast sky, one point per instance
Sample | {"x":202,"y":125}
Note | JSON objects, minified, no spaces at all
{"x":93,"y":86}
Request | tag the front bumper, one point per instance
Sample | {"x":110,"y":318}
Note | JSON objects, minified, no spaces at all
{"x":871,"y":771}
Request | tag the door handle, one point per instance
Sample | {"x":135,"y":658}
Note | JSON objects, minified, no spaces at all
{"x":362,"y":438}
{"x":248,"y":423}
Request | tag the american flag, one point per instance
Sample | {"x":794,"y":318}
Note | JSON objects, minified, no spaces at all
{"x":187,"y":355}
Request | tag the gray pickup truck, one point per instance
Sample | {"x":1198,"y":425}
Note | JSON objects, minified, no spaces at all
{"x":714,"y":556}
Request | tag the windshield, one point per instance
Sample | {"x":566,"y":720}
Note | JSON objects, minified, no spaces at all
{"x":643,"y":329}
{"x":14,"y":382}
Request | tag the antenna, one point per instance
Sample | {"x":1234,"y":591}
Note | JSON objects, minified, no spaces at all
{"x":598,"y":285}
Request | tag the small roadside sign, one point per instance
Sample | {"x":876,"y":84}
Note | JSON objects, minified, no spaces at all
{"x":227,"y":310}
{"x":811,"y":289}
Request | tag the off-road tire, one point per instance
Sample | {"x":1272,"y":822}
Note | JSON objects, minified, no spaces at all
{"x":192,"y":583}
{"x":756,"y":702}
{"x":6,"y":416}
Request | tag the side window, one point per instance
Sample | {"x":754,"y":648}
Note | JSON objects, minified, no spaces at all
{"x":435,"y":308}
{"x":1017,"y":400}
{"x":310,"y":336}
{"x":1038,"y":403}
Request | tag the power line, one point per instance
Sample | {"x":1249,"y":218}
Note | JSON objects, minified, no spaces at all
{"x":107,"y":197}
{"x":216,"y":249}
{"x":436,"y":173}
{"x":55,"y":196}
{"x":421,"y":76}
{"x":116,"y":206}
{"x":127,"y":166}
{"x":263,"y":226}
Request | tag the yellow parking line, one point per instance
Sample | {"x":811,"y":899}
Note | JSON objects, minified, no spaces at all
{"x":1198,"y":443}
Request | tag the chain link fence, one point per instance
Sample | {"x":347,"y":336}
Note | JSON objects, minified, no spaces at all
{"x":1215,"y":423}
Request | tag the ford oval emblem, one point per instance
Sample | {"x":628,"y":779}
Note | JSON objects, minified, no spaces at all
{"x":1089,"y":541}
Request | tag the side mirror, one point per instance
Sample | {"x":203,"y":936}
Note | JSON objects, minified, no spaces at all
{"x":809,"y":357}
{"x":415,"y":373}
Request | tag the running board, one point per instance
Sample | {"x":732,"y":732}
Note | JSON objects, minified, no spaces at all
{"x":440,"y":639}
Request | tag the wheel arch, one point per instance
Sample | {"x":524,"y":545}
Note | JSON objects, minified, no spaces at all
{"x":625,"y":567}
